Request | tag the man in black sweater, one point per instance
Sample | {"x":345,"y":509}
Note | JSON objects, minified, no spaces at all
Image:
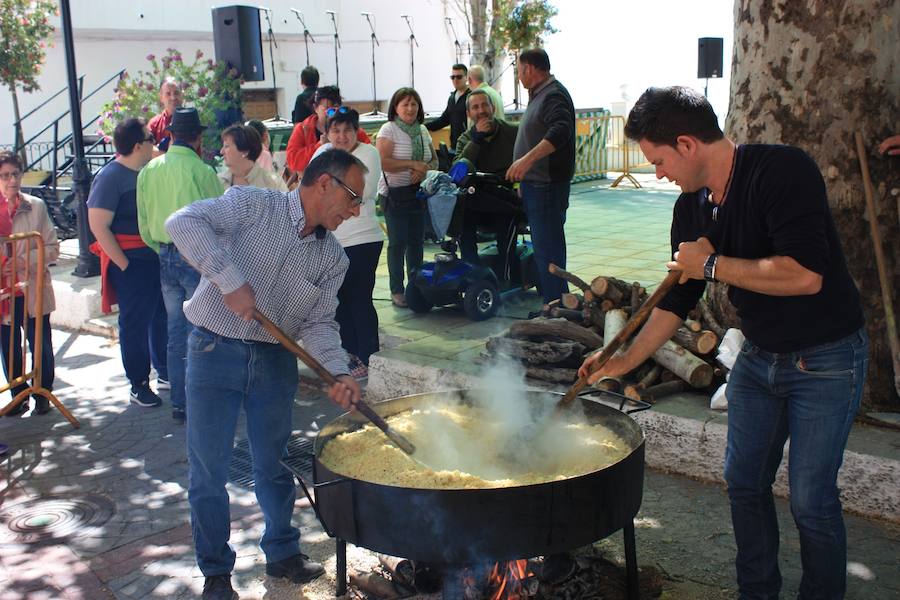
{"x":455,"y":113}
{"x":309,"y":79}
{"x":756,"y":217}
{"x":544,"y":161}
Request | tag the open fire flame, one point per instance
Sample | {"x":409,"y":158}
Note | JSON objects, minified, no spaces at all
{"x":507,"y":580}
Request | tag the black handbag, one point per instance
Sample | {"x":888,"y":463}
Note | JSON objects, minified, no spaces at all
{"x":403,"y":197}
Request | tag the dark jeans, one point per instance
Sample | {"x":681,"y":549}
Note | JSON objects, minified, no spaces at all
{"x":812,"y":397}
{"x":178,"y":280}
{"x":355,"y":312}
{"x":546,"y":205}
{"x":225,"y":374}
{"x":142,"y":317}
{"x":47,"y":360}
{"x":406,"y":238}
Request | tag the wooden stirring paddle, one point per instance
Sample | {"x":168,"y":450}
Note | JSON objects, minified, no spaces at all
{"x":630,"y":327}
{"x":401,"y":442}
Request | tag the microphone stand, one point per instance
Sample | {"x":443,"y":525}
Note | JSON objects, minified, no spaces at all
{"x":455,"y":39}
{"x":337,"y":45}
{"x":271,"y":35}
{"x":412,"y":57}
{"x":307,"y":36}
{"x":375,"y":111}
{"x":515,"y":66}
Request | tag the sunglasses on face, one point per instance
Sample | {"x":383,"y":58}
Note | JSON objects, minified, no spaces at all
{"x":355,"y":199}
{"x":457,"y":76}
{"x":11,"y":175}
{"x":334,"y":110}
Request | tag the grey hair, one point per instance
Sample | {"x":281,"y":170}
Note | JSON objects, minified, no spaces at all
{"x":333,"y":161}
{"x":477,"y":73}
{"x":482,"y":93}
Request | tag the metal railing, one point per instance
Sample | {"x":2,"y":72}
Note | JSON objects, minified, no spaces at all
{"x":22,"y":277}
{"x":602,"y":148}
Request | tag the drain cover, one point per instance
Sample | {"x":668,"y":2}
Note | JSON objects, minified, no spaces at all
{"x":53,"y":517}
{"x":299,"y":457}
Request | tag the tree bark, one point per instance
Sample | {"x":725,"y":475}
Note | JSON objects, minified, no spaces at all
{"x":688,"y":367}
{"x":20,"y":137}
{"x":535,"y":353}
{"x":811,"y":75}
{"x":556,"y":328}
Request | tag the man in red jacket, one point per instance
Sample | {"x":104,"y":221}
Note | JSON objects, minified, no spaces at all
{"x":308,"y":133}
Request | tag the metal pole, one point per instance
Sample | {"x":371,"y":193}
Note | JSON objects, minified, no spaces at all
{"x":88,"y":264}
{"x":337,"y":45}
{"x":412,"y":51}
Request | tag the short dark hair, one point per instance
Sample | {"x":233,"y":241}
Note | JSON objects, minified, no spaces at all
{"x":8,"y":157}
{"x":128,"y":134}
{"x":479,"y":92}
{"x":662,"y":114}
{"x":309,"y":76}
{"x":245,"y":139}
{"x":259,"y":126}
{"x":333,"y":161}
{"x":460,"y":67}
{"x":350,"y":116}
{"x":398,"y":97}
{"x":328,"y":92}
{"x":537,"y":58}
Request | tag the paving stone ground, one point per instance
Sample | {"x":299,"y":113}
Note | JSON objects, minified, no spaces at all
{"x":133,"y":460}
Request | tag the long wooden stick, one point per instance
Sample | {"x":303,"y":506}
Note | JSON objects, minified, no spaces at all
{"x":636,"y":321}
{"x":879,"y":261}
{"x":403,"y":443}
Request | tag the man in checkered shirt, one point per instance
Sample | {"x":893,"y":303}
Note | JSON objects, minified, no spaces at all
{"x":273,"y":251}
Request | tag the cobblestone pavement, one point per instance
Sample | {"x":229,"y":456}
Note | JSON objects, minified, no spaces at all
{"x":124,"y":472}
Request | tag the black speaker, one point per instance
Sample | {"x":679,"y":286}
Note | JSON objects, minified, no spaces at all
{"x":238,"y":40}
{"x":709,"y":58}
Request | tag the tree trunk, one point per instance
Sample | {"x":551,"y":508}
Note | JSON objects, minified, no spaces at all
{"x":20,"y":137}
{"x":811,"y":74}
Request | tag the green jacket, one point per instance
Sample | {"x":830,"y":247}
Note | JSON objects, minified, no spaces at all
{"x":168,"y":183}
{"x":494,"y":153}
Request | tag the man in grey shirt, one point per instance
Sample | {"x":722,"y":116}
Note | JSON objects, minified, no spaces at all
{"x":544,"y":161}
{"x":273,"y":251}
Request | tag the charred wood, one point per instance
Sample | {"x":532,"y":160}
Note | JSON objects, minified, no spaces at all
{"x":556,"y":327}
{"x":576,"y":316}
{"x":535,"y":353}
{"x":552,"y":375}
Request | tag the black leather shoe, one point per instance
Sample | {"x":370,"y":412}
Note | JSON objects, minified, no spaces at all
{"x":297,"y":569}
{"x":218,"y":587}
{"x":41,"y":406}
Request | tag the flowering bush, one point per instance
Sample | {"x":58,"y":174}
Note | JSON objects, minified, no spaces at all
{"x":213,"y":88}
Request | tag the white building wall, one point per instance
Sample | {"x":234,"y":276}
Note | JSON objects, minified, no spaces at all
{"x":111,"y":35}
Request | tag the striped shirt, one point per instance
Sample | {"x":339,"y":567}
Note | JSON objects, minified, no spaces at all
{"x":252,"y":235}
{"x":402,"y":151}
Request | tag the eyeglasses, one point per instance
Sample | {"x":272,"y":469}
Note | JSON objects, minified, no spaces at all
{"x":336,"y":110}
{"x":457,"y":76}
{"x":10,"y":175}
{"x":355,"y":199}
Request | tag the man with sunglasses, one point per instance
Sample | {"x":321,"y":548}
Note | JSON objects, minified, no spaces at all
{"x":455,"y":113}
{"x":309,"y":133}
{"x":271,"y":251}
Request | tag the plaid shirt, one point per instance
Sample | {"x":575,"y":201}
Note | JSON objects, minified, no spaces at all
{"x":252,"y":235}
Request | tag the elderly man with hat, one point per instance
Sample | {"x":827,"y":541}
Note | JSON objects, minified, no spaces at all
{"x":168,"y":183}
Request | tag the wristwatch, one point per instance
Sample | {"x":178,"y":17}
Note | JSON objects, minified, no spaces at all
{"x":709,"y":269}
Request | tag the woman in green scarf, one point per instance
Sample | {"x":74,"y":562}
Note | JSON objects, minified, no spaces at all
{"x":406,"y":155}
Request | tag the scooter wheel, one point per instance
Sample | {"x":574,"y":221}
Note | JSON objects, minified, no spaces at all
{"x":416,"y":300}
{"x":481,"y":300}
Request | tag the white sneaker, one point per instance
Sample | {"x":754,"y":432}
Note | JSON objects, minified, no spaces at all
{"x":163,"y":384}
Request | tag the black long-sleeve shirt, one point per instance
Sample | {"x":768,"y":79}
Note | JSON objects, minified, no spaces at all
{"x":454,"y":115}
{"x":776,"y":206}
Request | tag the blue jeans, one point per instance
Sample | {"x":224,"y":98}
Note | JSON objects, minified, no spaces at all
{"x":223,"y":375}
{"x":178,"y":280}
{"x":812,"y":397}
{"x":143,"y":337}
{"x":545,"y":205}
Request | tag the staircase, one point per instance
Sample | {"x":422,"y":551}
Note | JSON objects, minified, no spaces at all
{"x":48,"y":172}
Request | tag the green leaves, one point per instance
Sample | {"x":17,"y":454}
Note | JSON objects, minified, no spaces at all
{"x":521,"y":24}
{"x":210,"y":87}
{"x":24,"y":30}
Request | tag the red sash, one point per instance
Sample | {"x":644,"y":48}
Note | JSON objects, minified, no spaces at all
{"x":126,"y":241}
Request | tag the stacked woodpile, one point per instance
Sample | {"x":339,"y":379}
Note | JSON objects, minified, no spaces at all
{"x":552,"y":347}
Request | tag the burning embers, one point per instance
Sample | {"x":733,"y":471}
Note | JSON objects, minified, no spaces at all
{"x":585,"y":576}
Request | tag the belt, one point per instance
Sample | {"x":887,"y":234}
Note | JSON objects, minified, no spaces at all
{"x":235,"y":340}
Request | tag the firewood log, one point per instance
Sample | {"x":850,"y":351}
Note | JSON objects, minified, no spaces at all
{"x":635,"y":296}
{"x":593,"y":315}
{"x":401,"y":570}
{"x":709,"y":319}
{"x":702,"y":342}
{"x":660,"y":390}
{"x":546,"y":308}
{"x":588,"y":296}
{"x":576,"y":316}
{"x":607,"y":305}
{"x":633,"y":391}
{"x":605,"y":287}
{"x":571,"y":301}
{"x":667,"y":375}
{"x":571,"y":278}
{"x":693,"y":325}
{"x":373,"y":583}
{"x":552,"y":375}
{"x":560,"y":328}
{"x":614,"y":323}
{"x":688,"y":367}
{"x":535,"y":353}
